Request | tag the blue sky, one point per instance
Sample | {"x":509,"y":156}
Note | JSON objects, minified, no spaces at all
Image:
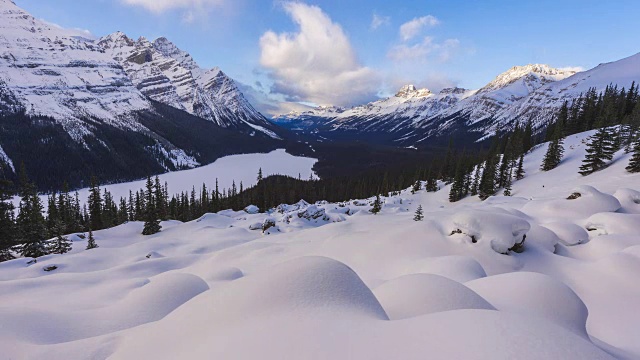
{"x":349,"y":51}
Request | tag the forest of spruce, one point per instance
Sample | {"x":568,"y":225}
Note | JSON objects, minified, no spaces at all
{"x":31,"y":232}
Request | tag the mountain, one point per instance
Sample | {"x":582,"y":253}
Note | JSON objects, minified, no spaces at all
{"x":68,"y":110}
{"x":163,"y":72}
{"x":45,"y":70}
{"x":417,"y":117}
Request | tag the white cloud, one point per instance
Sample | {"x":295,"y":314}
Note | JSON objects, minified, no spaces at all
{"x":159,"y":6}
{"x":572,"y":68}
{"x":412,"y":28}
{"x":72,"y":31}
{"x":426,"y":50}
{"x":378,"y":21}
{"x":316,"y":64}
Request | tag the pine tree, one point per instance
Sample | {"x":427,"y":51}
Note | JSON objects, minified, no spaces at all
{"x":259,"y":177}
{"x":555,"y":150}
{"x":487,"y":184}
{"x":634,"y":163}
{"x":600,"y":150}
{"x":377,"y":205}
{"x":30,"y":222}
{"x":95,"y":205}
{"x":61,"y":244}
{"x":416,"y":187}
{"x":91,"y":242}
{"x":7,"y":222}
{"x":419,"y":214}
{"x":151,"y":220}
{"x":476,"y":181}
{"x":520,"y":170}
{"x":507,"y":185}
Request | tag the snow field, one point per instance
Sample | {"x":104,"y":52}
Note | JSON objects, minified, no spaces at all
{"x":332,"y":280}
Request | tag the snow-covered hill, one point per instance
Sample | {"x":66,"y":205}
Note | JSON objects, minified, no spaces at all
{"x":413,"y":117}
{"x":169,"y":75}
{"x":333,"y":281}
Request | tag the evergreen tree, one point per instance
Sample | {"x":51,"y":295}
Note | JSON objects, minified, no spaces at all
{"x":95,"y":205}
{"x":377,"y":205}
{"x":634,"y":163}
{"x":507,"y":185}
{"x":7,"y":222}
{"x":553,"y":156}
{"x":61,"y":244}
{"x":259,"y":177}
{"x":487,"y":186}
{"x":600,"y":150}
{"x":151,"y":219}
{"x":416,"y":187}
{"x":91,"y":242}
{"x":476,"y":181}
{"x":419,"y":216}
{"x":30,"y":222}
{"x":520,"y":170}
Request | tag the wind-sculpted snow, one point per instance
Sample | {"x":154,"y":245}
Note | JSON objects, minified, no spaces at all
{"x":332,"y":280}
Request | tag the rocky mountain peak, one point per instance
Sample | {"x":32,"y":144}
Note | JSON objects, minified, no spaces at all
{"x":410,"y":91}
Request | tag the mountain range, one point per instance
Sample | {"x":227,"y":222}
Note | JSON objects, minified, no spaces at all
{"x":419,"y":117}
{"x":113,"y":107}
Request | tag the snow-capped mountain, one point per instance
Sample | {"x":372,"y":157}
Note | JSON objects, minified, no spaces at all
{"x":45,"y":70}
{"x":413,"y":116}
{"x":69,"y":110}
{"x":163,"y":72}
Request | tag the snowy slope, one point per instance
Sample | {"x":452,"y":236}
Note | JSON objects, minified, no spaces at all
{"x":541,"y":104}
{"x":332,"y":281}
{"x":46,"y":70}
{"x":169,"y":75}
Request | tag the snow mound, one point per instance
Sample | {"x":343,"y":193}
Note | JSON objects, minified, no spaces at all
{"x":614,"y":224}
{"x":536,"y":295}
{"x":455,"y":267}
{"x":301,"y":284}
{"x":226,"y":274}
{"x":252,"y":209}
{"x":217,"y":221}
{"x":499,"y":231}
{"x":629,"y":199}
{"x":582,"y":202}
{"x":542,"y":237}
{"x":419,"y":294}
{"x":568,"y":233}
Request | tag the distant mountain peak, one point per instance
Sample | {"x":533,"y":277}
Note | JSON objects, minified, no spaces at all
{"x":410,"y":91}
{"x":542,"y":72}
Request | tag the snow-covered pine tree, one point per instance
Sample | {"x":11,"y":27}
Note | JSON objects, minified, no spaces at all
{"x":151,"y":219}
{"x":416,"y":187}
{"x":377,"y":205}
{"x":91,"y":242}
{"x":259,"y":175}
{"x":600,"y":150}
{"x":634,"y":163}
{"x":419,"y":216}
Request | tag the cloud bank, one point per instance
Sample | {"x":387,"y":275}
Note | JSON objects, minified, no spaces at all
{"x":316,"y":64}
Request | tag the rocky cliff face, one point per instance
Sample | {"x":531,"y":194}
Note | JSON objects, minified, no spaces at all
{"x":163,"y":72}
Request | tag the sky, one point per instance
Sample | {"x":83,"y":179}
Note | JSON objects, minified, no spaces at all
{"x":290,"y":54}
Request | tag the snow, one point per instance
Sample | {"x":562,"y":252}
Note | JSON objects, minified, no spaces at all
{"x":239,"y":168}
{"x":333,"y":281}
